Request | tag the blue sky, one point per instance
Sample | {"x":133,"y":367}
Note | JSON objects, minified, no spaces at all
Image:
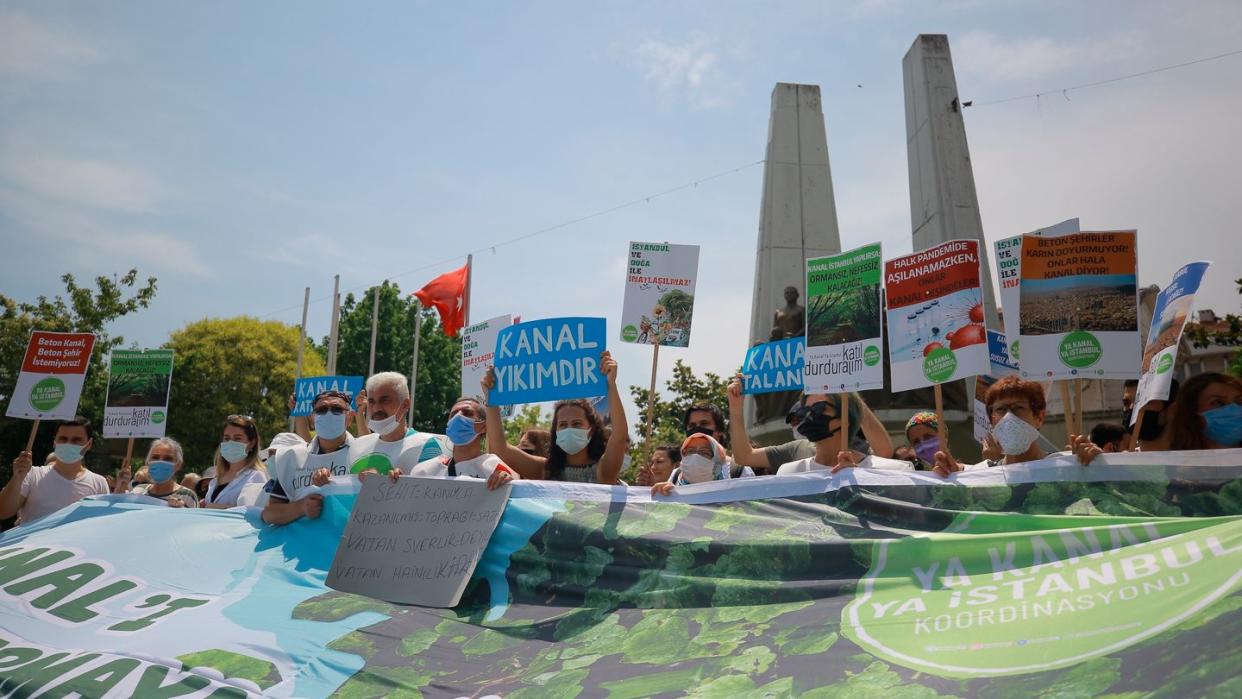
{"x":243,"y":151}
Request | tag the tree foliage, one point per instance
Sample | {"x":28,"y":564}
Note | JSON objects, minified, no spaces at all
{"x":1230,"y":336}
{"x":232,"y":366}
{"x":680,"y":392}
{"x":439,"y":357}
{"x":82,"y":309}
{"x":530,"y":416}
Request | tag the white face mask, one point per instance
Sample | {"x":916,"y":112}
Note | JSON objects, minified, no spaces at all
{"x":1014,"y":434}
{"x":382,"y":427}
{"x":697,"y":468}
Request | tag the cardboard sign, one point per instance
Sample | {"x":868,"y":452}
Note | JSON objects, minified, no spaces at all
{"x":774,"y":366}
{"x":844,"y":331}
{"x":659,"y":294}
{"x":478,"y":345}
{"x":1009,"y":274}
{"x":138,"y":386}
{"x":1079,"y":306}
{"x":53,"y":371}
{"x":551,"y":359}
{"x":293,"y":468}
{"x":416,"y":541}
{"x":936,"y":329}
{"x":1003,"y":362}
{"x":1173,"y":307}
{"x":306,"y":389}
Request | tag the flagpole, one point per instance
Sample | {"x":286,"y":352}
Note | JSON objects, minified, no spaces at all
{"x":301,"y":342}
{"x":374,"y":326}
{"x":336,"y":317}
{"x":418,"y":331}
{"x":465,"y":302}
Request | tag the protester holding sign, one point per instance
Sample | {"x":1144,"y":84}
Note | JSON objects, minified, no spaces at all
{"x":393,"y":444}
{"x":467,"y":425}
{"x":580,"y":450}
{"x":295,"y":468}
{"x":1016,"y":409}
{"x":164,"y":461}
{"x":818,"y":419}
{"x":237,"y":463}
{"x":37,"y":491}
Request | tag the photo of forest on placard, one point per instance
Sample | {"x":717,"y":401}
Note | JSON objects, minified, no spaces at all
{"x":1100,"y":303}
{"x":140,"y":384}
{"x":845,"y":315}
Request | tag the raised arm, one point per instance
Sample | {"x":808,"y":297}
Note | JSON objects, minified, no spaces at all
{"x":301,"y":423}
{"x":614,"y":453}
{"x":11,"y":498}
{"x":873,"y":431}
{"x":743,"y":453}
{"x":527,"y":465}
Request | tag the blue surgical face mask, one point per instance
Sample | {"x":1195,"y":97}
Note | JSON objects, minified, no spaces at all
{"x":1223,"y":424}
{"x":330,"y":425}
{"x":161,"y":471}
{"x":460,"y":430}
{"x":233,"y":451}
{"x":68,"y":453}
{"x":572,"y":440}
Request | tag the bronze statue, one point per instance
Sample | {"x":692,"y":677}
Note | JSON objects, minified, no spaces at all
{"x":789,"y":321}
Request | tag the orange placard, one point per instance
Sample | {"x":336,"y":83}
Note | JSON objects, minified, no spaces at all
{"x":58,"y":353}
{"x":1078,"y":254}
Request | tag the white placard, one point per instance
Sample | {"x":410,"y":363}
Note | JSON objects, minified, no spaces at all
{"x":478,"y":346}
{"x":416,"y":541}
{"x":1009,"y":271}
{"x":659,"y":294}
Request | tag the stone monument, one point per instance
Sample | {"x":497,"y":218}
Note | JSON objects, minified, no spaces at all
{"x":797,"y":220}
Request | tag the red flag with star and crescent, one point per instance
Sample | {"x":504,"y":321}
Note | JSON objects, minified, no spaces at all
{"x":447,"y":294}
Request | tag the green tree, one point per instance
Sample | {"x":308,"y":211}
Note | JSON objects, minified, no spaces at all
{"x":1229,"y":336}
{"x":81,"y":309}
{"x":680,"y":392}
{"x":529,"y":417}
{"x":232,"y":366}
{"x":439,"y":357}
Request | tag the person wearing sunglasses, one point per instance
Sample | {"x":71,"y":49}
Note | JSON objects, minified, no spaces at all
{"x":237,"y":463}
{"x":818,"y":420}
{"x":295,"y":469}
{"x":467,"y":425}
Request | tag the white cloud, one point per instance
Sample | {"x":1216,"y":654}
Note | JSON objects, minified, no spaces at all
{"x":693,"y":67}
{"x":1002,"y":58}
{"x":84,"y":182}
{"x":31,"y":48}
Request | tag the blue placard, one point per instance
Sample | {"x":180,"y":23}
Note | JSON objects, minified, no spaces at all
{"x":998,"y":352}
{"x":550,"y":359}
{"x":305,"y":390}
{"x":774,"y":366}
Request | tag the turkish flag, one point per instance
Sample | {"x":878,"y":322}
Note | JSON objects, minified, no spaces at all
{"x":447,"y":293}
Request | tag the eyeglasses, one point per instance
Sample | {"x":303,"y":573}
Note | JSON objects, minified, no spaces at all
{"x":242,"y":418}
{"x":704,"y":451}
{"x":1002,"y":409}
{"x":325,"y":409}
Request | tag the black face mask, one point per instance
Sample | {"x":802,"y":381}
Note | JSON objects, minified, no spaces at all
{"x":814,"y":427}
{"x":699,"y":429}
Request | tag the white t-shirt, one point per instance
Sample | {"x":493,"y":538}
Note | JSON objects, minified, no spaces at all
{"x":371,"y":452}
{"x":481,"y":466}
{"x":46,"y":491}
{"x":875,"y":462}
{"x":290,"y":470}
{"x":229,"y":494}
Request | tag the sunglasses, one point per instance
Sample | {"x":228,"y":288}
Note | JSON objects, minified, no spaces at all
{"x":798,"y":413}
{"x":325,"y":409}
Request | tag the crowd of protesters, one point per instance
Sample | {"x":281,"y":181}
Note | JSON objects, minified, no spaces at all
{"x":580,"y":446}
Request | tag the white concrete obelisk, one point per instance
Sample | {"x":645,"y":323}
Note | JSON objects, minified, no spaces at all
{"x":797,"y":219}
{"x":943,"y":201}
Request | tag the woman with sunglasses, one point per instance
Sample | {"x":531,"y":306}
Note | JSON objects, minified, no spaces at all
{"x":818,"y":419}
{"x":467,"y":425}
{"x":237,"y":463}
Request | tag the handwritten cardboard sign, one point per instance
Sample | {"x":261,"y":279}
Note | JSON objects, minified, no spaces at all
{"x":416,"y":541}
